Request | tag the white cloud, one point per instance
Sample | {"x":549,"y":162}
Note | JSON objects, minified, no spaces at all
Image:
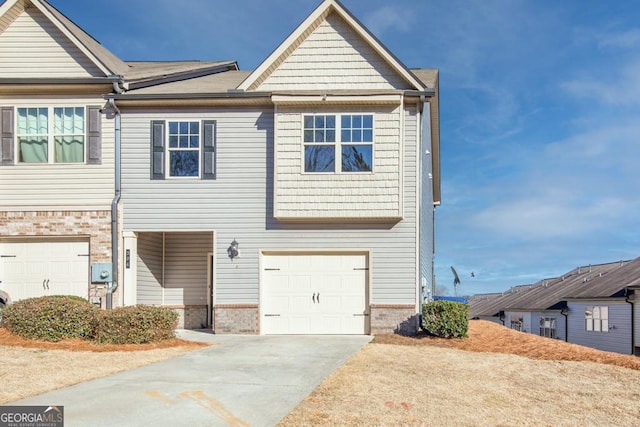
{"x":389,"y":18}
{"x":628,"y":39}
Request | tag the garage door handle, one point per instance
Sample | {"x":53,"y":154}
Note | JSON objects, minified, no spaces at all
{"x":271,"y":315}
{"x":361,"y":314}
{"x":47,"y":283}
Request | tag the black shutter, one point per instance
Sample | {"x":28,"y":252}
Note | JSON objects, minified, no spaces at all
{"x":94,"y":136}
{"x":157,"y":149}
{"x":209,"y":149}
{"x":6,"y":136}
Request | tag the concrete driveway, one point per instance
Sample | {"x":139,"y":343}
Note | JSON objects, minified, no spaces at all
{"x":241,"y":381}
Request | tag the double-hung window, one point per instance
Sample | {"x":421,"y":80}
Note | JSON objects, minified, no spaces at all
{"x":596,"y":318}
{"x":517,"y":323}
{"x":183,"y":149}
{"x":548,"y":327}
{"x":51,"y":134}
{"x":338,"y":143}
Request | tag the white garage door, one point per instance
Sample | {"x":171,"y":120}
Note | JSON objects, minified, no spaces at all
{"x":33,"y":269}
{"x":314,"y":294}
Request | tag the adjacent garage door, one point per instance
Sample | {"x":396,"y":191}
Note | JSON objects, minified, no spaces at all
{"x":33,"y":269}
{"x":314,"y":294}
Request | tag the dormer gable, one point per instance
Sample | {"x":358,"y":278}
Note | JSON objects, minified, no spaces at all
{"x":331,"y":50}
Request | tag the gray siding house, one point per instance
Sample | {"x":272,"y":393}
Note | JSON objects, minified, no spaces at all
{"x":594,"y":306}
{"x":297,"y":198}
{"x":294,"y":199}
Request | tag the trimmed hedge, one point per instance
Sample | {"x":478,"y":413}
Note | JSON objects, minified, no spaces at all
{"x":58,"y":317}
{"x":136,"y":325}
{"x":446,"y":319}
{"x":51,"y":318}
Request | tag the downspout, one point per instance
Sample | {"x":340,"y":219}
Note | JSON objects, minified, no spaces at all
{"x":111,"y":288}
{"x":565,"y":313}
{"x":626,"y":299}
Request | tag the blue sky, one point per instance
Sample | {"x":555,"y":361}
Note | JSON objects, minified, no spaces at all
{"x":540,"y":112}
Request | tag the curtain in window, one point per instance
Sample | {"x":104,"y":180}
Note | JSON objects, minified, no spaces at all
{"x":32,"y":126}
{"x":68,"y":128}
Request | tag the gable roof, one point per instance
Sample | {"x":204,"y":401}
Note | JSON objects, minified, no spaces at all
{"x":585,"y":282}
{"x":308,"y":25}
{"x":106,"y":61}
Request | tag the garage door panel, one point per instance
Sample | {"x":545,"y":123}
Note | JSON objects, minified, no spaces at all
{"x":323,"y":293}
{"x":39,"y":268}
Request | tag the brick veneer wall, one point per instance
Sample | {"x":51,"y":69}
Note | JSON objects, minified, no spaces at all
{"x":94,"y":225}
{"x":397,"y":319}
{"x":191,"y":316}
{"x":236,"y":319}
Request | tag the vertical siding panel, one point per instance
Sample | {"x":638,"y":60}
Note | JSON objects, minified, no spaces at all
{"x":149,"y":269}
{"x":186,"y":268}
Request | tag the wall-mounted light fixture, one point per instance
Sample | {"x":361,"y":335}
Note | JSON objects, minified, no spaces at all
{"x":233,"y":250}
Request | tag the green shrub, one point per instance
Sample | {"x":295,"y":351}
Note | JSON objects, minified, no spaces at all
{"x":136,"y":325}
{"x":447,"y":319}
{"x":51,"y":318}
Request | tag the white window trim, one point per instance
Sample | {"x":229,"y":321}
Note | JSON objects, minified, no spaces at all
{"x":338,"y":143}
{"x":168,"y":149}
{"x":50,"y":134}
{"x":602,"y":321}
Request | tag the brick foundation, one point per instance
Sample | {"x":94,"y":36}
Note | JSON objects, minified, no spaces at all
{"x":236,"y":319}
{"x":191,"y":316}
{"x":397,"y":319}
{"x":92,"y":225}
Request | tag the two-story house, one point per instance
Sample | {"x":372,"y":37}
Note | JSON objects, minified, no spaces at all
{"x":297,"y":198}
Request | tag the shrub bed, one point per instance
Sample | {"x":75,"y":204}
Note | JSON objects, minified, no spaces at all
{"x":54,"y":318}
{"x":51,"y":318}
{"x":446,"y":319}
{"x":136,"y":325}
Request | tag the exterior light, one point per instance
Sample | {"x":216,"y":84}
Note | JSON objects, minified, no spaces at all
{"x":232,"y":250}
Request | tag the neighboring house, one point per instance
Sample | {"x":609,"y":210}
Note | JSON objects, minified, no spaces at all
{"x":601,"y":313}
{"x":294,"y":199}
{"x":592,"y":306}
{"x":56,"y":153}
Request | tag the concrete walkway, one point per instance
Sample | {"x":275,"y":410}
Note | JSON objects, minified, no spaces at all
{"x":241,"y":381}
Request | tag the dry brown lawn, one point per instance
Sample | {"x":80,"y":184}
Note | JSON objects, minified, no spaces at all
{"x":496,"y":377}
{"x":33,"y":367}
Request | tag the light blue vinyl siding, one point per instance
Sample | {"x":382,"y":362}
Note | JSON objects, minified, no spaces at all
{"x":561,"y":329}
{"x":239,"y":205}
{"x":617,"y":339}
